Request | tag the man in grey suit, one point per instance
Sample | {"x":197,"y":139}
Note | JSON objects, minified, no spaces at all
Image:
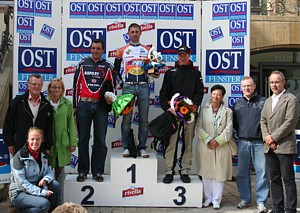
{"x":278,"y":122}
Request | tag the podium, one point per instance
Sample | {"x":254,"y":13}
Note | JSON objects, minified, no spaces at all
{"x":134,"y":182}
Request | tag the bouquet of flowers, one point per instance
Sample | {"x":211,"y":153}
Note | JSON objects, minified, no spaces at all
{"x":122,"y":104}
{"x":184,"y":108}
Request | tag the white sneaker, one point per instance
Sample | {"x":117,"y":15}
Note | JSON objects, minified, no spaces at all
{"x":206,"y":203}
{"x":144,"y":154}
{"x":261,"y":208}
{"x":216,"y":206}
{"x":126,"y":153}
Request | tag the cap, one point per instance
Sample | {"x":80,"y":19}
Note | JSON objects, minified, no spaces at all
{"x":184,"y":49}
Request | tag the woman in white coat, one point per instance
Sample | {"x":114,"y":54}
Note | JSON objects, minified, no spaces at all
{"x":214,"y":162}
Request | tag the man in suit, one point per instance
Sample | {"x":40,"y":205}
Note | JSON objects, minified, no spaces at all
{"x":278,"y":122}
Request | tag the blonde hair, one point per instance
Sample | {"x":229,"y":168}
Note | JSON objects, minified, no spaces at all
{"x":55,"y":81}
{"x":36,"y":129}
{"x":70,"y":207}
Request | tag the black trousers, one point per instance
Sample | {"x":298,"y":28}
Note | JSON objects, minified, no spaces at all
{"x":281,"y":169}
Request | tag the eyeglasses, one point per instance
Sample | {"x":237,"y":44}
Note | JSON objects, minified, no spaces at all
{"x":55,"y":87}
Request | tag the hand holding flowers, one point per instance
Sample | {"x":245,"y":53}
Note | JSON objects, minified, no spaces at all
{"x":184,"y":108}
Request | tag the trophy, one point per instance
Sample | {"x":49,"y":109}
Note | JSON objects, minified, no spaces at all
{"x":154,"y":62}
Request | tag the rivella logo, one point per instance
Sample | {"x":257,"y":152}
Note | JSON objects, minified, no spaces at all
{"x":147,"y":27}
{"x":69,"y":70}
{"x":116,"y":144}
{"x":133,"y":192}
{"x":116,"y":26}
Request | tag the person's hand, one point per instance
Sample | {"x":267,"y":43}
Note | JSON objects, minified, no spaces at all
{"x":47,"y":152}
{"x":43,"y":183}
{"x":273,"y":146}
{"x":73,"y":148}
{"x":49,"y":193}
{"x":212,"y":144}
{"x":172,"y":111}
{"x":11,"y":150}
{"x":269,"y":140}
{"x":156,"y":75}
{"x":75,"y":110}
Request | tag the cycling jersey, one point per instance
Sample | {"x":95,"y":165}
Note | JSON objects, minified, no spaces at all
{"x":92,"y":79}
{"x":129,"y":62}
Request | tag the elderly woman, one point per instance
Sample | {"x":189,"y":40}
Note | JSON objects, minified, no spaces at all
{"x":64,"y":129}
{"x":32,"y":187}
{"x":214,"y":162}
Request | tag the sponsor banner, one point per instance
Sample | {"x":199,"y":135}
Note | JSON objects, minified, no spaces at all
{"x":25,"y":24}
{"x":4,"y":162}
{"x":37,"y":42}
{"x":225,"y":62}
{"x":133,"y":192}
{"x":232,"y":100}
{"x":131,"y":10}
{"x":297,"y":156}
{"x":238,"y":27}
{"x":237,"y":41}
{"x":37,"y":60}
{"x":236,"y":89}
{"x":25,"y":39}
{"x":79,"y":41}
{"x":172,"y":39}
{"x":216,"y":34}
{"x":47,"y":31}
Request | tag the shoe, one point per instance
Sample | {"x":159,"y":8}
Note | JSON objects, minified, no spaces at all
{"x":206,"y":203}
{"x":81,"y":177}
{"x":216,"y":206}
{"x":98,"y":177}
{"x":143,"y":153}
{"x":185,"y":178}
{"x":243,"y":204}
{"x":168,"y":178}
{"x":271,"y":211}
{"x":261,"y":208}
{"x":126,"y":153}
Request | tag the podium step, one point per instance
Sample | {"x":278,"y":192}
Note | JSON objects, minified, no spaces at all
{"x":108,"y":193}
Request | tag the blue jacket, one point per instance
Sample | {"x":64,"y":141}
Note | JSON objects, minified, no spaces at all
{"x":246,"y":117}
{"x":26,"y":174}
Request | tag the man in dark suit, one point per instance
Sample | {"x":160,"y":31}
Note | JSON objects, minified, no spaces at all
{"x":278,"y":122}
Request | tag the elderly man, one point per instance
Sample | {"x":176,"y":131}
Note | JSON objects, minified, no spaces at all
{"x":25,"y":111}
{"x":246,"y":121}
{"x":278,"y":122}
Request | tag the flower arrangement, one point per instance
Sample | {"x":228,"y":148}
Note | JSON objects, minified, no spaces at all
{"x":184,"y":108}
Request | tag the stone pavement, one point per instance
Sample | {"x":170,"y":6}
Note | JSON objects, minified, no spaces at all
{"x":228,"y":205}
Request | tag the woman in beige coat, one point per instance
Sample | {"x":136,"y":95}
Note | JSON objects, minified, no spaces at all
{"x":213,"y":155}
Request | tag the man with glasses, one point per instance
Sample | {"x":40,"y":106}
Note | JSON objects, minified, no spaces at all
{"x":25,"y":111}
{"x":278,"y":122}
{"x":93,"y":77}
{"x":246,"y":121}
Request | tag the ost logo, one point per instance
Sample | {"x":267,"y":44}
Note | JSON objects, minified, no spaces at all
{"x":238,"y":8}
{"x":95,"y":8}
{"x":133,"y":192}
{"x":114,"y":7}
{"x":131,"y":7}
{"x":37,"y":59}
{"x":77,"y":8}
{"x":43,"y":5}
{"x":25,"y":6}
{"x":149,"y":8}
{"x":25,"y":39}
{"x":25,"y":23}
{"x":176,"y":38}
{"x":83,"y":37}
{"x":225,"y":60}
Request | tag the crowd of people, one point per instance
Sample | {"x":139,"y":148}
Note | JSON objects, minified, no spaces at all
{"x":265,"y":130}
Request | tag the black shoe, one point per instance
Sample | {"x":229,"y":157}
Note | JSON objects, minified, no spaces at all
{"x":185,"y":178}
{"x":168,"y":178}
{"x":81,"y":177}
{"x":98,"y":177}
